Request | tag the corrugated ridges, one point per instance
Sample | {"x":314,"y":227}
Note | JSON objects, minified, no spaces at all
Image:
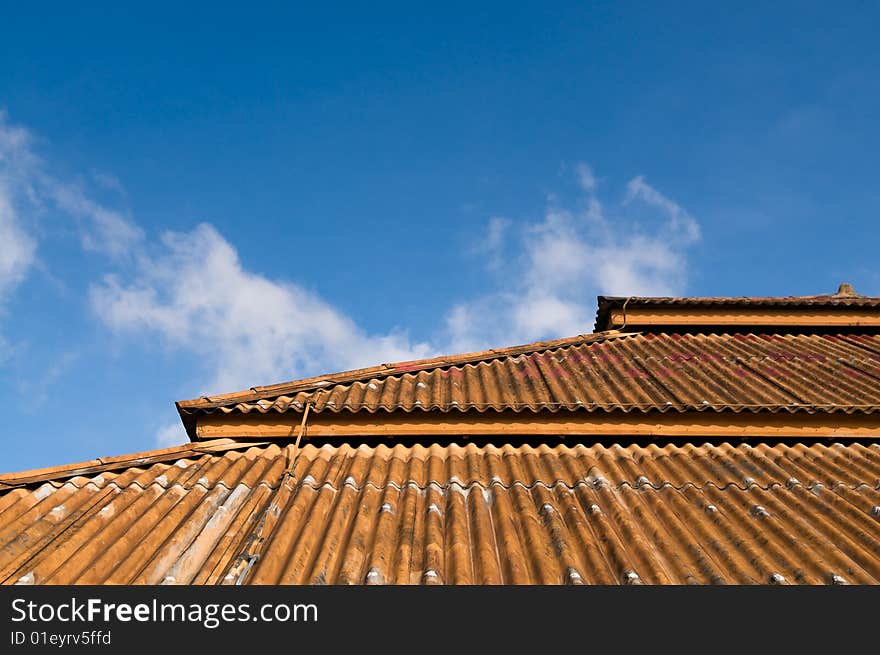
{"x":457,"y":514}
{"x":645,"y":372}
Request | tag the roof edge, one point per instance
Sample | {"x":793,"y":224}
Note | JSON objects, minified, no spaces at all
{"x":100,"y":464}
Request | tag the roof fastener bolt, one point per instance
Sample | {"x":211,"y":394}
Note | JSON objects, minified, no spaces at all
{"x":386,"y":507}
{"x":838,"y":580}
{"x":792,"y":482}
{"x":875,"y":510}
{"x":594,"y":509}
{"x":373,"y":577}
{"x":573,"y":576}
{"x":749,"y":482}
{"x":546,"y":508}
{"x":711,"y":509}
{"x":757,"y":510}
{"x":776,"y":578}
{"x":642,"y":480}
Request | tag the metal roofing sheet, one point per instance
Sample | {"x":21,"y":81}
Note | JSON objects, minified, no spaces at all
{"x":646,"y":372}
{"x":451,"y":514}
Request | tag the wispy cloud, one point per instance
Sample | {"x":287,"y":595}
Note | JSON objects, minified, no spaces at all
{"x":28,"y":189}
{"x":31,"y":197}
{"x":586,"y":178}
{"x":18,"y":249}
{"x":170,"y":434}
{"x":680,"y":222}
{"x":557,"y":265}
{"x":196,"y":295}
{"x":103,"y":230}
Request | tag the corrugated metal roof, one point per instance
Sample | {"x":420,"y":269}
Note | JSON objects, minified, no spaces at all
{"x":845,"y":297}
{"x":612,"y":372}
{"x":221,"y":512}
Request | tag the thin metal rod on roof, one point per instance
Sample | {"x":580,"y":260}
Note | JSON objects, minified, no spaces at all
{"x":251,"y":552}
{"x":624,"y":312}
{"x":299,"y":436}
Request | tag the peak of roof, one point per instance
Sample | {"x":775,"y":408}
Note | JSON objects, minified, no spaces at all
{"x":845,"y":290}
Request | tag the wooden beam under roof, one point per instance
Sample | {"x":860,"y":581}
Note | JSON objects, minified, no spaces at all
{"x":722,"y":317}
{"x":429,"y":424}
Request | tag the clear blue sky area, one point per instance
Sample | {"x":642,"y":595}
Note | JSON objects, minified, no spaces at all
{"x":197,"y":199}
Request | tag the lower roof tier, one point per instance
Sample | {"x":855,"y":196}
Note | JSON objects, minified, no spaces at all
{"x":226,"y":512}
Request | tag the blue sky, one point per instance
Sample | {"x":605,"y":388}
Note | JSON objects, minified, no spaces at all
{"x":203,"y":199}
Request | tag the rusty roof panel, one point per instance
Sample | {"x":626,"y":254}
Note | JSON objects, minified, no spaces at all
{"x":646,"y":372}
{"x":451,"y":514}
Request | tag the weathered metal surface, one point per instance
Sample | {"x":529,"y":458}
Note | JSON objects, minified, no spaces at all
{"x":614,"y":372}
{"x":451,"y":514}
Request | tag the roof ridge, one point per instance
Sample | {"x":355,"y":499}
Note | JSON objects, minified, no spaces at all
{"x":389,"y":369}
{"x":101,"y":464}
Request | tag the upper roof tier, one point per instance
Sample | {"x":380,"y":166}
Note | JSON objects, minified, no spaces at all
{"x":844,"y":309}
{"x":718,"y":367}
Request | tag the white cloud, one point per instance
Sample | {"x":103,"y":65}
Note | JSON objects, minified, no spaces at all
{"x":247,"y":328}
{"x":18,"y":249}
{"x":557,"y":266}
{"x":679,"y":220}
{"x":28,"y":189}
{"x":102,"y":230}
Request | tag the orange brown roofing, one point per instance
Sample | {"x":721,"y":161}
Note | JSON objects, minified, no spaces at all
{"x":232,"y":511}
{"x":227,"y":513}
{"x":608,"y":372}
